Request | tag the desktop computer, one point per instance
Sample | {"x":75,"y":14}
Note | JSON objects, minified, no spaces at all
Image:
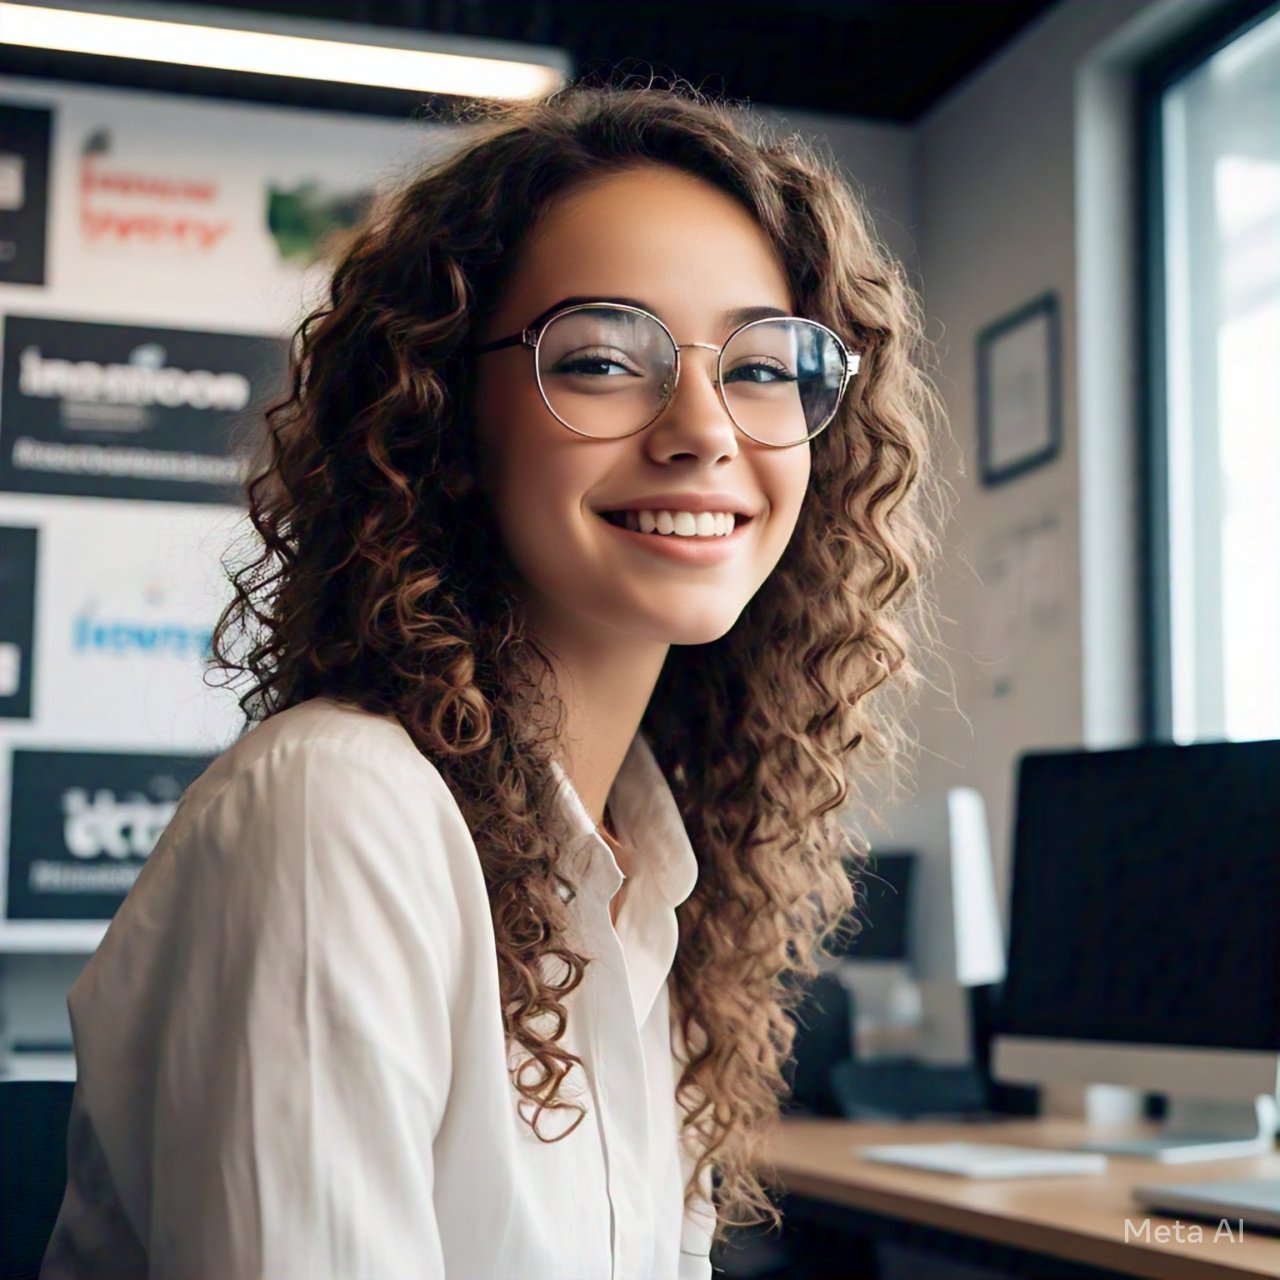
{"x":1143,"y":951}
{"x":1143,"y":945}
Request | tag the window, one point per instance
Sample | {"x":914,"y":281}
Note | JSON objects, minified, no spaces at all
{"x":1213,"y":129}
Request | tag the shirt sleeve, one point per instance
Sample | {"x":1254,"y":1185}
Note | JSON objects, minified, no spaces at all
{"x":302,"y":1054}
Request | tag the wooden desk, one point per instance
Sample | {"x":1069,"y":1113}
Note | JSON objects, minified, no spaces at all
{"x":1080,"y":1218}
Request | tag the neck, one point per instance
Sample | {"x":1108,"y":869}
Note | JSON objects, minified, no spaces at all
{"x":605,"y":683}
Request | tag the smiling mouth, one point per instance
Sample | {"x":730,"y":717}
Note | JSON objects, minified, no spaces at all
{"x":664,"y":525}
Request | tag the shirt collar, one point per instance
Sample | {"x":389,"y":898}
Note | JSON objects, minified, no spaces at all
{"x":646,"y":817}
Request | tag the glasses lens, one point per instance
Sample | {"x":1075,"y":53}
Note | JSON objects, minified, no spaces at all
{"x":605,"y":371}
{"x":782,"y":379}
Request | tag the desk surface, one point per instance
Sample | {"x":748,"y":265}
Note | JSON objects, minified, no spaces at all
{"x":1082,"y":1217}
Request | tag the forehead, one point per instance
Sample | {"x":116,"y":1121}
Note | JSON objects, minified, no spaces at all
{"x":683,"y":246}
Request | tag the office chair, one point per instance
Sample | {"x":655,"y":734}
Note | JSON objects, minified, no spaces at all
{"x":33,"y":1172}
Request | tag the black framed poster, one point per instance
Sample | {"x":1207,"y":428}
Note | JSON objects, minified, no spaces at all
{"x":1019,"y":391}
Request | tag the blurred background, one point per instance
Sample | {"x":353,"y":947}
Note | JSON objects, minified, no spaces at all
{"x":1085,"y":192}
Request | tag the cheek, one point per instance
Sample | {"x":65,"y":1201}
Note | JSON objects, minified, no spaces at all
{"x":789,"y":483}
{"x":508,"y":427}
{"x":536,"y":475}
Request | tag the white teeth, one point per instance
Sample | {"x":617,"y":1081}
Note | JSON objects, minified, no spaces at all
{"x":681,"y":524}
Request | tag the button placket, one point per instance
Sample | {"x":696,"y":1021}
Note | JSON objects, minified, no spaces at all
{"x":621,"y":1084}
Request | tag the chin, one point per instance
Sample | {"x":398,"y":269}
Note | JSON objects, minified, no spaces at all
{"x":688,"y":631}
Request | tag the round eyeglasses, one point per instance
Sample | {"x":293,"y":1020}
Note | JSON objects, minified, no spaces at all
{"x":607,"y":370}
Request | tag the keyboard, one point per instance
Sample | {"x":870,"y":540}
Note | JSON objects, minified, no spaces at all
{"x":985,"y":1159}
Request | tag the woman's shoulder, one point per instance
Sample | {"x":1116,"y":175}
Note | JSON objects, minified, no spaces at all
{"x":323,"y":720}
{"x":336,"y":742}
{"x":319,"y":782}
{"x":314,"y":809}
{"x":320,"y":852}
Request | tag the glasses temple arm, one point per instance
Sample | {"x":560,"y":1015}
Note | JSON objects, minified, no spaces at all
{"x":525,"y":338}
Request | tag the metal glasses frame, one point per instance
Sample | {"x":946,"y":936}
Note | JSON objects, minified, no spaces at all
{"x":532,"y":336}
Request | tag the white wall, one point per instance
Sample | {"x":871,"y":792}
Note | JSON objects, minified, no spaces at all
{"x":879,"y":161}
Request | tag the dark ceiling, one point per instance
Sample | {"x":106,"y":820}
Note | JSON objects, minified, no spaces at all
{"x":885,"y":59}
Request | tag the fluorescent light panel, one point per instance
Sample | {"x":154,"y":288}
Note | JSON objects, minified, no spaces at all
{"x":225,"y":48}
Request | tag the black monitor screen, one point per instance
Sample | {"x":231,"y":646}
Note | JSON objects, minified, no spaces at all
{"x":1146,"y":894}
{"x":882,"y":887}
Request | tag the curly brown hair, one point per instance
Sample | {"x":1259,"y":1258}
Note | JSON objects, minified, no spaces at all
{"x":380,"y":579}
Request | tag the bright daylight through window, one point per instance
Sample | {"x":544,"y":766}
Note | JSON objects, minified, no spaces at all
{"x":1221,"y":216}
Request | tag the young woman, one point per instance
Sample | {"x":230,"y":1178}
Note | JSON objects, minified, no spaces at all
{"x":586,"y":536}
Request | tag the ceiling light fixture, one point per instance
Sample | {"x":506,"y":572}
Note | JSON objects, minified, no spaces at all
{"x":335,"y":52}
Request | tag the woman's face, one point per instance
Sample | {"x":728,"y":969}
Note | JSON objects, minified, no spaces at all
{"x":691,"y":255}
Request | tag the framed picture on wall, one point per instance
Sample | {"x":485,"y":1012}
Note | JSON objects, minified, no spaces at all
{"x":1019,"y":391}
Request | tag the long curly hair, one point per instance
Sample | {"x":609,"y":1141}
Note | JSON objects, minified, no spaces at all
{"x":377,"y":576}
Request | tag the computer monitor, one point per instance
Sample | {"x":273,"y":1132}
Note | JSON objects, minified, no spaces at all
{"x":883,"y":891}
{"x":1143,"y":947}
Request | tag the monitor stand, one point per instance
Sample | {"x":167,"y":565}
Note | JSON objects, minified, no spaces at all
{"x":1200,"y":1130}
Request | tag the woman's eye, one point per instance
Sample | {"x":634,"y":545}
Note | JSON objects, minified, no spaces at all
{"x":761,"y":373}
{"x":596,"y":364}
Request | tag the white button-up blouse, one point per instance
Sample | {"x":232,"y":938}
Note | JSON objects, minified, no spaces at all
{"x":289,"y":1044}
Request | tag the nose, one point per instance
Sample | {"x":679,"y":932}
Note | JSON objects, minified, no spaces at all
{"x":695,"y":419}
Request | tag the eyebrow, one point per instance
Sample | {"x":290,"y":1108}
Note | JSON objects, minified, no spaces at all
{"x":729,"y":319}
